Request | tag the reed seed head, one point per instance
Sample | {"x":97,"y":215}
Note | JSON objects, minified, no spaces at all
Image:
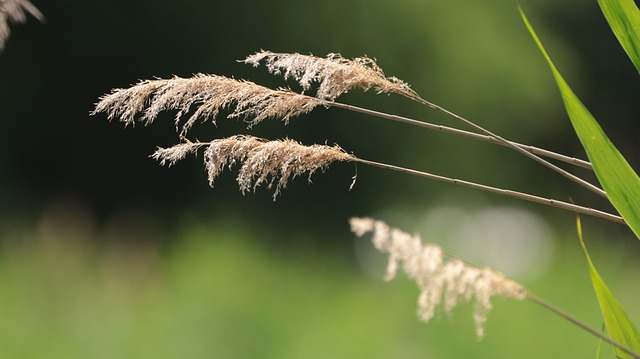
{"x":441,"y":280}
{"x":335,"y":74}
{"x":270,"y":162}
{"x":208,"y":94}
{"x":15,"y":11}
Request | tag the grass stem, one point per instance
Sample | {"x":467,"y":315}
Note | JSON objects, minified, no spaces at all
{"x":507,"y":143}
{"x":582,"y":325}
{"x":535,"y":150}
{"x":504,"y":192}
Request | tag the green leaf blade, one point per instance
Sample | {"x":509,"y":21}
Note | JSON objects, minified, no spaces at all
{"x":617,"y":322}
{"x":614,"y":173}
{"x":623,"y":17}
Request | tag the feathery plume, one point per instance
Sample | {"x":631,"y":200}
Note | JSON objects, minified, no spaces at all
{"x":437,"y":278}
{"x":209,"y":94}
{"x":15,"y":11}
{"x":270,"y":162}
{"x":335,"y":74}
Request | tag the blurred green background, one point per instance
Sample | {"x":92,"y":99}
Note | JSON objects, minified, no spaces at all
{"x":103,"y":253}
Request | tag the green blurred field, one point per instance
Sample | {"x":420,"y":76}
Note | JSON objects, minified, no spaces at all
{"x":219,"y":292}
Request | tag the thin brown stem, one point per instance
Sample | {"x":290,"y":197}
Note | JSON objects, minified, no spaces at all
{"x":580,"y":324}
{"x":505,"y":192}
{"x":563,"y":314}
{"x":507,"y":143}
{"x":535,"y":150}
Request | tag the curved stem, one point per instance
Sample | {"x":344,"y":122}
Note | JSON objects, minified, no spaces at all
{"x":582,"y":325}
{"x":536,"y":158}
{"x":505,"y":192}
{"x":535,"y":150}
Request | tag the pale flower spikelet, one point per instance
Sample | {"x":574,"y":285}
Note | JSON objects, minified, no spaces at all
{"x":15,"y":11}
{"x":334,"y":74}
{"x":270,"y":162}
{"x":169,"y":156}
{"x":438,"y":277}
{"x":208,"y":94}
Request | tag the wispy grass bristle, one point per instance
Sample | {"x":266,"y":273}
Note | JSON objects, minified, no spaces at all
{"x":169,"y":156}
{"x":442,"y":280}
{"x":334,"y":73}
{"x":208,"y":94}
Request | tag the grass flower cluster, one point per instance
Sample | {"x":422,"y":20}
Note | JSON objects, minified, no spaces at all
{"x":334,"y":74}
{"x":441,"y":279}
{"x":271,"y":162}
{"x":208,"y":94}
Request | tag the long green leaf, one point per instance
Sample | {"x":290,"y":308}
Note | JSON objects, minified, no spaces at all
{"x":617,"y":178}
{"x":624,"y":19}
{"x":619,"y":326}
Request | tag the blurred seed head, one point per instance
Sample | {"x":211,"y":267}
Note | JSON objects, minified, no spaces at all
{"x":15,"y":11}
{"x":442,"y":280}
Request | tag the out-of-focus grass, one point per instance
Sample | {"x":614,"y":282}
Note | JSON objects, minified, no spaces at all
{"x":220,"y":292}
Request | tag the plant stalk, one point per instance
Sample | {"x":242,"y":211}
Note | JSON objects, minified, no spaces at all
{"x":535,"y":150}
{"x":505,"y":192}
{"x":580,"y":324}
{"x":507,"y":143}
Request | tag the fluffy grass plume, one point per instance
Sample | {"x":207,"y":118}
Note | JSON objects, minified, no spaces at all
{"x":335,"y":74}
{"x":208,"y":94}
{"x":270,"y":162}
{"x":442,"y":280}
